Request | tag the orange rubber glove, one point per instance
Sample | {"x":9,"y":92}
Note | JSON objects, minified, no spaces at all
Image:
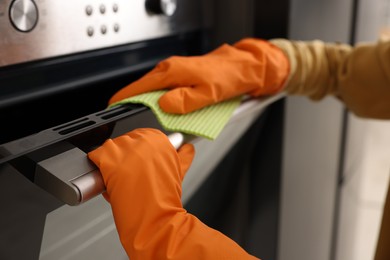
{"x":251,"y":66}
{"x":143,"y":174}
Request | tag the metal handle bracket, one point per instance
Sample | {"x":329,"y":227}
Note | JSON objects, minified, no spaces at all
{"x":71,"y":177}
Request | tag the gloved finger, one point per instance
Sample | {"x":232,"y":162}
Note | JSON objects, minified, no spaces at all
{"x":188,"y":99}
{"x":184,"y":100}
{"x":186,"y":154}
{"x":149,"y":82}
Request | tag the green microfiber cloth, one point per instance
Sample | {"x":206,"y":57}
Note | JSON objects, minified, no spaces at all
{"x":207,"y":122}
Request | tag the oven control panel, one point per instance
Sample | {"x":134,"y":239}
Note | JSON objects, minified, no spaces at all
{"x":40,"y":29}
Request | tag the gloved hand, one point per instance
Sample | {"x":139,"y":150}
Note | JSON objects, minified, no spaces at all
{"x":143,"y":174}
{"x":251,"y":66}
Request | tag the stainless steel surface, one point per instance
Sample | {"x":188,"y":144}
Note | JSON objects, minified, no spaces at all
{"x":72,"y":178}
{"x":84,"y":232}
{"x":23,"y":15}
{"x":55,"y":175}
{"x":72,"y":26}
{"x":176,"y":139}
{"x":168,"y":7}
{"x":88,"y":186}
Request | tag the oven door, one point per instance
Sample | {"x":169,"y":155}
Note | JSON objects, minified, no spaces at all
{"x":38,"y":219}
{"x":51,"y":221}
{"x":36,"y":216}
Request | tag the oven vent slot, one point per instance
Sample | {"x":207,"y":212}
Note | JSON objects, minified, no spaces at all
{"x":76,"y":127}
{"x":115,"y":111}
{"x":93,"y":125}
{"x":69,"y":124}
{"x":86,"y":122}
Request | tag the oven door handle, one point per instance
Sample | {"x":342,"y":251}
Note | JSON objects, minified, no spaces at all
{"x":71,"y":177}
{"x":57,"y":174}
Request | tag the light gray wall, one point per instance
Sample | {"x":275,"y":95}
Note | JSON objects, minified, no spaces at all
{"x":312,"y":143}
{"x":366,"y":171}
{"x":328,"y":20}
{"x":373,"y":17}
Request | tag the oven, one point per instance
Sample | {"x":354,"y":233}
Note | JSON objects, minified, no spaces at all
{"x":60,"y":61}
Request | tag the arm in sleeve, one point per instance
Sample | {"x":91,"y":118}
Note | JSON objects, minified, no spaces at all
{"x":359,"y":76}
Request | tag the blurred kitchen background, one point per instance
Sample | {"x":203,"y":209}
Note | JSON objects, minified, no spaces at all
{"x":351,"y":200}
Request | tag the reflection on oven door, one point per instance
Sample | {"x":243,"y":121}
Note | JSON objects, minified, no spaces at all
{"x":82,"y":232}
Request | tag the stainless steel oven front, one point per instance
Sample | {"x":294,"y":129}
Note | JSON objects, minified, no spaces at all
{"x":60,"y":61}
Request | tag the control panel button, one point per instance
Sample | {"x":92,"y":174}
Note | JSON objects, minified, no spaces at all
{"x":116,"y":27}
{"x":90,"y":31}
{"x":165,"y":7}
{"x":103,"y":29}
{"x":23,"y":15}
{"x":88,"y":10}
{"x":102,"y":9}
{"x":115,"y":8}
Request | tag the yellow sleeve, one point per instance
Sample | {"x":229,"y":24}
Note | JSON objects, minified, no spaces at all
{"x":359,"y":76}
